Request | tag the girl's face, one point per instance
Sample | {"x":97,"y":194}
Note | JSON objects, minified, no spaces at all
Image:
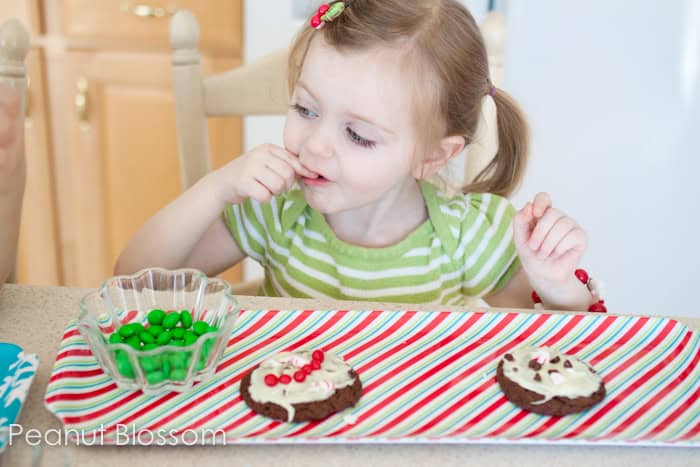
{"x":350,"y":121}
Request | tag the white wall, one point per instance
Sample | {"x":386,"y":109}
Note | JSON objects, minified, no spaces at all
{"x":612,"y":92}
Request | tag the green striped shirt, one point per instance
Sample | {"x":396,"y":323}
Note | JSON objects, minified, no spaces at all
{"x":465,"y":249}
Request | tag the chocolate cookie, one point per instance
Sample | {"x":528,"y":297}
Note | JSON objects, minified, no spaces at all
{"x":547,"y":382}
{"x":301,"y":386}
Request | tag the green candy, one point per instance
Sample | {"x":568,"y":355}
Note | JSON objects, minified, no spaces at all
{"x":200,"y":327}
{"x":138,"y":328}
{"x":178,"y":375}
{"x":156,"y":316}
{"x":165,"y":366}
{"x":150,"y":346}
{"x":147,"y":337}
{"x":155,"y":377}
{"x":190,"y":338}
{"x":115,"y":338}
{"x":123,"y":364}
{"x":212,"y":329}
{"x":164,"y":338}
{"x":127,"y":330}
{"x":134,"y":342}
{"x":177,"y":342}
{"x":178,"y":333}
{"x":186,"y":319}
{"x":155,"y":330}
{"x":124,"y":369}
{"x":178,"y":360}
{"x":171,"y":320}
{"x":201,"y":364}
{"x":148,"y":364}
{"x":206,"y":347}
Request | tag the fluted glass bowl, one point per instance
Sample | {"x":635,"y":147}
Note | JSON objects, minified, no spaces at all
{"x":176,"y":364}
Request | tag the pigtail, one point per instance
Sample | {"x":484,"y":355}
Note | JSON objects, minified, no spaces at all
{"x":503,"y":174}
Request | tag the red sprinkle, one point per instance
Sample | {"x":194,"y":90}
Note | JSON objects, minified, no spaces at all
{"x":307,"y":369}
{"x":318,"y":355}
{"x":536,"y":298}
{"x":270,"y":380}
{"x":315,"y":365}
{"x":299,"y":376}
{"x":285,"y":379}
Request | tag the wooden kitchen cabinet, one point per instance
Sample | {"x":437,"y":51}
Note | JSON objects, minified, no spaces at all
{"x":102,"y":149}
{"x":39,"y":256}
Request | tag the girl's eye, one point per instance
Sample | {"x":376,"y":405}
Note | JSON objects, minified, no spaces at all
{"x":303,"y":111}
{"x":359,"y":140}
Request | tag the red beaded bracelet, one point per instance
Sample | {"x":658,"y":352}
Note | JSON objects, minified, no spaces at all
{"x":593,"y":287}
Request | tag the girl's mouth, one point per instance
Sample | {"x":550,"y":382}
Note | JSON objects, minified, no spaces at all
{"x":318,"y":181}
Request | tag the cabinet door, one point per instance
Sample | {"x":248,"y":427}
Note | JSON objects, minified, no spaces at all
{"x":129,"y":24}
{"x":118,"y":158}
{"x":39,"y":259}
{"x":27,"y":11}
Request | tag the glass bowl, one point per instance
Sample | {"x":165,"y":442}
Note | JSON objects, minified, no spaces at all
{"x":173,"y":362}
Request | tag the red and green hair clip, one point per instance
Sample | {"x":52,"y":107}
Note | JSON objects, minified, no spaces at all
{"x":327,"y":13}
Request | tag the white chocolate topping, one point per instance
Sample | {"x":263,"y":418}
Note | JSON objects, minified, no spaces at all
{"x":317,"y":386}
{"x":551,"y":373}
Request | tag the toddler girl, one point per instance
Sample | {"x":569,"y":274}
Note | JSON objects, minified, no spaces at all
{"x":384,"y":93}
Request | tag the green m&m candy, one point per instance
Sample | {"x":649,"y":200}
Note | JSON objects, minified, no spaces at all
{"x":115,"y":338}
{"x":155,"y":330}
{"x":155,"y":377}
{"x":148,"y":364}
{"x":178,"y":333}
{"x":127,"y":330}
{"x":134,"y":342}
{"x":177,"y":360}
{"x":171,"y":320}
{"x":200,"y":327}
{"x":137,"y":327}
{"x":186,"y":319}
{"x":164,"y":338}
{"x":156,"y":316}
{"x":121,"y":359}
{"x":178,"y":374}
{"x":190,"y":338}
{"x":147,"y":338}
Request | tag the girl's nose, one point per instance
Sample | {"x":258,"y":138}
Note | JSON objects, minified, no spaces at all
{"x":319,"y":142}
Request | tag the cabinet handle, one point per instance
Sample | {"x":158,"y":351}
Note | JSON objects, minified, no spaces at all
{"x":81,"y":102}
{"x":143,"y":10}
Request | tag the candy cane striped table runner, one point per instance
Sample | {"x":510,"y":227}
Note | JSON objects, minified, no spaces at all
{"x":427,"y":376}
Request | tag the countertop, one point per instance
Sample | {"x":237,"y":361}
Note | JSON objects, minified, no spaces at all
{"x":34,"y":317}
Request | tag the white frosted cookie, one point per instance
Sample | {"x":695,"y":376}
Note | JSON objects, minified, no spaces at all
{"x":546,"y":381}
{"x":301,"y":386}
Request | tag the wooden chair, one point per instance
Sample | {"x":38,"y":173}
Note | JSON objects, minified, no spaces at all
{"x":260,"y":88}
{"x":14,"y":47}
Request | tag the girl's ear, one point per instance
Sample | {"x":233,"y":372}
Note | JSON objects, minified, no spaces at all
{"x":448,"y":149}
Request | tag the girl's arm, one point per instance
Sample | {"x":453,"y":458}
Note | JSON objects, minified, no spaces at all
{"x":550,"y":246}
{"x":12,"y":177}
{"x":190,"y":231}
{"x":182,"y":234}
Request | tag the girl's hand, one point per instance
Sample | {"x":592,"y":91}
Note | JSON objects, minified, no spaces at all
{"x":550,"y":245}
{"x":261,"y":173}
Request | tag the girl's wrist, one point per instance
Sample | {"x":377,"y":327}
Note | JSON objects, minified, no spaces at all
{"x":214,"y":185}
{"x":580,"y":293}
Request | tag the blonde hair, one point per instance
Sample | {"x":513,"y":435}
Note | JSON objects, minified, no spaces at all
{"x":446,"y":57}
